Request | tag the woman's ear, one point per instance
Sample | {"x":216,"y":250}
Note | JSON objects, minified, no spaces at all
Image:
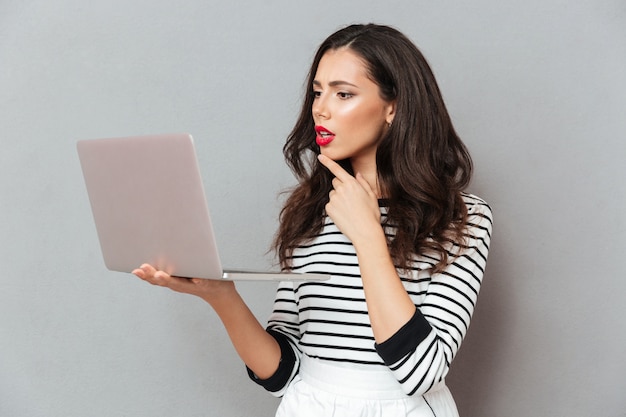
{"x":391,"y":112}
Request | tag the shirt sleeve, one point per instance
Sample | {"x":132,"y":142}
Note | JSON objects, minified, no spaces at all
{"x":283,"y":325}
{"x":421,"y":352}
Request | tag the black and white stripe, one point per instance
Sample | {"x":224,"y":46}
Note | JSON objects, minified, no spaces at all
{"x":329,"y":320}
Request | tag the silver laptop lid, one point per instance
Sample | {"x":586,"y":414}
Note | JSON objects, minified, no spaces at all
{"x":148,"y":204}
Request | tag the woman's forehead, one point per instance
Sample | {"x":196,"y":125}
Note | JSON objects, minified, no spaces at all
{"x":341,"y":64}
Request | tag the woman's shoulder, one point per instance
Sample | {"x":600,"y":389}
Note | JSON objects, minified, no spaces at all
{"x":477,"y":208}
{"x":475,"y":203}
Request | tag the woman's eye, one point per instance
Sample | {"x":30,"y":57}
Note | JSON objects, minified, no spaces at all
{"x":316,"y":94}
{"x":344,"y":95}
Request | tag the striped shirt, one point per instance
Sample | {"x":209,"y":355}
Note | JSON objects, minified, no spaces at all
{"x":328,"y":320}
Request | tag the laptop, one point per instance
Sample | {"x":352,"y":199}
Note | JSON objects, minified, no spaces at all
{"x":149,"y":206}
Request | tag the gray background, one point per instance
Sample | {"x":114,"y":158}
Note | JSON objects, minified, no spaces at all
{"x":537,"y":89}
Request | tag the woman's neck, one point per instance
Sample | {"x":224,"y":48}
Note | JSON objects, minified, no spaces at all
{"x":368,"y":170}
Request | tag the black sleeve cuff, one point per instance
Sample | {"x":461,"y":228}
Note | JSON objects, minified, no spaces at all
{"x":285,"y":367}
{"x":405,"y":340}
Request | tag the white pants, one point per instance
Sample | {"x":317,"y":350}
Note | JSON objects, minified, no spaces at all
{"x":323,"y":389}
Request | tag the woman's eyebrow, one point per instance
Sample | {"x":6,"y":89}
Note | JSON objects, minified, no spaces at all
{"x":335,"y":83}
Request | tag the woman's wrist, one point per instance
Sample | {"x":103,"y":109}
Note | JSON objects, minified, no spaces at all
{"x":371,"y":239}
{"x":217,"y":294}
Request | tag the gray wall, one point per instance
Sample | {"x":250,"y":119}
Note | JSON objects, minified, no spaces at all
{"x":537,"y":90}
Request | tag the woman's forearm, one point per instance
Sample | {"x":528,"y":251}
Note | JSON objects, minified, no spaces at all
{"x":257,"y":348}
{"x":259,"y":351}
{"x":389,"y":305}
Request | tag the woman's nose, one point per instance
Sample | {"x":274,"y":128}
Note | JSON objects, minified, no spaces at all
{"x":320,"y":108}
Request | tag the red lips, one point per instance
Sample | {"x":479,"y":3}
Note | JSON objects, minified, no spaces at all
{"x":324,"y":136}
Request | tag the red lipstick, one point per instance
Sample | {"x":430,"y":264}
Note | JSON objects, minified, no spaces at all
{"x":324,"y":136}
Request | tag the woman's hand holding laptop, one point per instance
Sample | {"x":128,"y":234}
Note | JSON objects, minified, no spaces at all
{"x":207,"y":289}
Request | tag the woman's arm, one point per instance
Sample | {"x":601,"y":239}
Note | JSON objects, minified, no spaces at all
{"x":353,"y":207}
{"x":388,"y":303}
{"x":418,"y":349}
{"x":258,"y":349}
{"x":420,"y":354}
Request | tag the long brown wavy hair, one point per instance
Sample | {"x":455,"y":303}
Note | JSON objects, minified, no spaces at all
{"x":422,"y":164}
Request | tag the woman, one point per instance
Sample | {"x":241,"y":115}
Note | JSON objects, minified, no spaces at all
{"x":380,"y":206}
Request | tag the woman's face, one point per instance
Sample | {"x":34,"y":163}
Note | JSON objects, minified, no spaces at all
{"x":349,"y":113}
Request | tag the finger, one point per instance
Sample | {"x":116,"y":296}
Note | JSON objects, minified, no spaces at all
{"x":145,"y":271}
{"x":162,"y":275}
{"x":334,"y":168}
{"x":139,"y":273}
